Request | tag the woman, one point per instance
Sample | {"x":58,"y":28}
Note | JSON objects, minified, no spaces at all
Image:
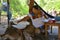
{"x":37,"y":18}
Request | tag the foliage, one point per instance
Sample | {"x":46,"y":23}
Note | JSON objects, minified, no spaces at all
{"x":50,"y":4}
{"x":20,"y":7}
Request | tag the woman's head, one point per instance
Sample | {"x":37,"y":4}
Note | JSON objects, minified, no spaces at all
{"x":36,"y":11}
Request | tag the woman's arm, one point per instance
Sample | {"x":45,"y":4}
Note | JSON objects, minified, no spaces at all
{"x":24,"y":19}
{"x":45,"y":16}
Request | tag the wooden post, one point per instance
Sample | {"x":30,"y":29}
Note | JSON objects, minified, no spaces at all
{"x":8,"y":10}
{"x":1,"y":1}
{"x":31,"y":5}
{"x":0,"y":15}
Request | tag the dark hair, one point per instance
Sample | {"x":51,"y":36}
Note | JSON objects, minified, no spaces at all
{"x":36,"y":7}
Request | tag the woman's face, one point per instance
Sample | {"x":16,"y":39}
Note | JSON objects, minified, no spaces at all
{"x":37,"y":12}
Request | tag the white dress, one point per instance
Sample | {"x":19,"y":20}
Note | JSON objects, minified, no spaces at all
{"x":21,"y":25}
{"x":38,"y":22}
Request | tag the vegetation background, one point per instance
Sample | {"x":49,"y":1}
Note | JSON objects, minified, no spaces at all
{"x":20,"y":7}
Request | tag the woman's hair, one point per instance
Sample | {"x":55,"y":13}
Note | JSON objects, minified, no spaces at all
{"x":36,"y":7}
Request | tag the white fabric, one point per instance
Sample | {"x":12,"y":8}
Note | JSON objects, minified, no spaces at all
{"x":4,"y":3}
{"x":54,"y":30}
{"x":21,"y":25}
{"x":53,"y":13}
{"x":37,"y":22}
